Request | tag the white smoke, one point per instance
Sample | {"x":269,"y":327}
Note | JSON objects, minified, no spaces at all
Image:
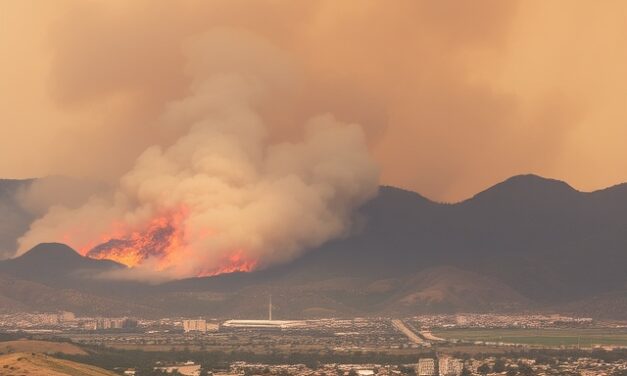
{"x":241,"y":192}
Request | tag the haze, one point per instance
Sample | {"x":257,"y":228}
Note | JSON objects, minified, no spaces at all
{"x":453,"y":96}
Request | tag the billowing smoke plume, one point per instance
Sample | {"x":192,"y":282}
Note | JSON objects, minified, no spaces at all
{"x":221,"y":194}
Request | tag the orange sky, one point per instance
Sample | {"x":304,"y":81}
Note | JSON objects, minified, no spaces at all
{"x":454,"y":95}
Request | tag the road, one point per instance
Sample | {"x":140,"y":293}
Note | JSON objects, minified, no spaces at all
{"x":429,"y":336}
{"x":400,"y":325}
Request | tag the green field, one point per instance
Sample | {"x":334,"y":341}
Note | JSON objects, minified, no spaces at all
{"x":540,"y":337}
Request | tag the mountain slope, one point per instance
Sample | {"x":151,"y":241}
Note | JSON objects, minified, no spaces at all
{"x":540,"y":242}
{"x":22,"y":295}
{"x":525,"y":242}
{"x":537,"y":235}
{"x":56,"y":264}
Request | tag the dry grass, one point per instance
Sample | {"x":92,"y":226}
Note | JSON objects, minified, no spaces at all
{"x":28,"y":364}
{"x":43,"y":347}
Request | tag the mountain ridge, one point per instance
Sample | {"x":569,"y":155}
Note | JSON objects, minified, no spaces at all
{"x":524,"y":243}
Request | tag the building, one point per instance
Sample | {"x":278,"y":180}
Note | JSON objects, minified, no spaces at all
{"x":450,"y":366}
{"x":426,"y":367}
{"x":127,"y":323}
{"x":104,"y":323}
{"x":262,"y":324}
{"x":194,"y":326}
{"x":185,"y":369}
{"x":65,"y":316}
{"x":268,"y":324}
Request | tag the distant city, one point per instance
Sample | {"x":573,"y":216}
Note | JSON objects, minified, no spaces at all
{"x":425,"y":345}
{"x":313,"y":188}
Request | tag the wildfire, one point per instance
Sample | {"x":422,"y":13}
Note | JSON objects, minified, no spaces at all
{"x":236,"y":262}
{"x":161,"y":241}
{"x":161,"y":237}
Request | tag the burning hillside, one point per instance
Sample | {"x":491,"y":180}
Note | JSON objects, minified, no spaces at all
{"x":162,"y":238}
{"x":221,"y":195}
{"x":161,"y":242}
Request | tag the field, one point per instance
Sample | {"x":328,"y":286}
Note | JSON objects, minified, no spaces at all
{"x":540,"y":337}
{"x":43,"y":365}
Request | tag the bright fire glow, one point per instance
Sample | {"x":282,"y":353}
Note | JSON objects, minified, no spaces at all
{"x":236,"y":262}
{"x":162,"y":241}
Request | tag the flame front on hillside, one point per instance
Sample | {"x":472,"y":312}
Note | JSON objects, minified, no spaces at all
{"x":161,"y":242}
{"x":219,"y":194}
{"x":161,"y":238}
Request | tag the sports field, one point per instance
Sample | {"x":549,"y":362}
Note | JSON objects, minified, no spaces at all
{"x":540,"y":337}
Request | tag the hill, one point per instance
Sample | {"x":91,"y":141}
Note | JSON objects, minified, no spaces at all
{"x":525,"y":243}
{"x":538,"y":241}
{"x":546,"y":240}
{"x":41,"y":347}
{"x":44,"y":365}
{"x":23,"y":295}
{"x":24,"y":200}
{"x":55,"y":264}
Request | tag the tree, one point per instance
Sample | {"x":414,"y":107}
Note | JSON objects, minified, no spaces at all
{"x":465,"y":372}
{"x":525,"y":369}
{"x":499,"y":366}
{"x":484,"y":369}
{"x":144,"y":371}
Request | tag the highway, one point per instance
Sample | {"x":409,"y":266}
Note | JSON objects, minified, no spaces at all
{"x":400,"y":325}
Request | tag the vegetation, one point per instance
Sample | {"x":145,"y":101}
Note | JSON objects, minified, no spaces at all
{"x":484,"y":369}
{"x":110,"y":358}
{"x":43,"y":347}
{"x":572,"y":337}
{"x":38,"y":364}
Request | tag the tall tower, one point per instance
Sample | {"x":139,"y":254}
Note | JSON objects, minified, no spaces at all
{"x":270,"y":308}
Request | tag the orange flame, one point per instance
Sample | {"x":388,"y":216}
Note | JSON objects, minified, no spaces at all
{"x":236,"y":262}
{"x":161,"y":240}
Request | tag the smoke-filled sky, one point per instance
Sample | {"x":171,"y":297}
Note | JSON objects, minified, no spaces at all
{"x":452,"y":95}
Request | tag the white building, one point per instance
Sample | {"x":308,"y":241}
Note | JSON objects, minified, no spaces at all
{"x":262,"y":324}
{"x":194,"y":326}
{"x":426,"y":367}
{"x":450,"y":366}
{"x":105,"y":323}
{"x":65,"y":316}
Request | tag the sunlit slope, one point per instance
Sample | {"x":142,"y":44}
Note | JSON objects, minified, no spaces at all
{"x":44,"y":365}
{"x":42,"y":347}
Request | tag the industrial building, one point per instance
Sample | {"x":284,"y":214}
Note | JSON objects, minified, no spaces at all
{"x":268,"y":324}
{"x":426,"y":367}
{"x":112,"y":323}
{"x":262,"y":324}
{"x":448,"y":366}
{"x":195,"y":325}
